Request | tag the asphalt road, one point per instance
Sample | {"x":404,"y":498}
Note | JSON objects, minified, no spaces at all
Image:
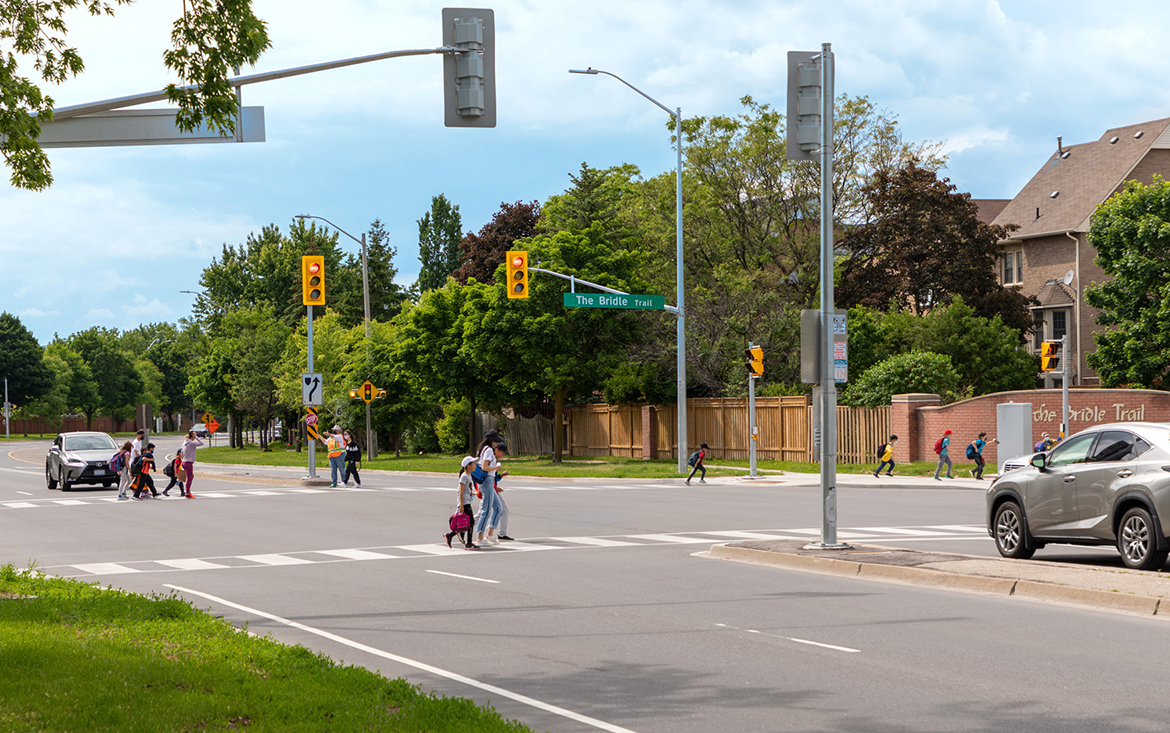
{"x":601,"y":617}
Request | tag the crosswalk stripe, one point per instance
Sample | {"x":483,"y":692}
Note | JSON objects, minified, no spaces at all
{"x":190,"y":563}
{"x":276,"y":559}
{"x":70,"y":502}
{"x":433,"y":549}
{"x":670,"y":538}
{"x":596,"y":541}
{"x":106,"y":568}
{"x":744,"y":535}
{"x":21,"y":505}
{"x":356,"y":554}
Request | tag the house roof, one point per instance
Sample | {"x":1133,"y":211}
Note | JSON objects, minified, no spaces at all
{"x":1054,"y":293}
{"x":1082,"y":179}
{"x":989,"y":208}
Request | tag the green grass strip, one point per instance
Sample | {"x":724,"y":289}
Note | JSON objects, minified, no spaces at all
{"x":76,"y":657}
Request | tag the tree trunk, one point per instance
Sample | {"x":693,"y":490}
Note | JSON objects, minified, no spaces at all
{"x":397,"y":445}
{"x":558,"y":428}
{"x":471,"y":427}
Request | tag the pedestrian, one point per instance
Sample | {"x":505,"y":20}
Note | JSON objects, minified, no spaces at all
{"x":886,"y":455}
{"x":174,"y":469}
{"x":696,"y":460}
{"x":502,"y":527}
{"x":142,"y":478}
{"x":335,"y":445}
{"x":123,"y":458}
{"x":941,"y":448}
{"x":187,"y":452}
{"x":353,"y":460}
{"x":975,"y":453}
{"x":466,"y":492}
{"x":136,"y":446}
{"x":1043,"y":444}
{"x":489,"y":508}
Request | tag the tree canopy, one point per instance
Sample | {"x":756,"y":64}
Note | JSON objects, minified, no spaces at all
{"x":439,"y":233}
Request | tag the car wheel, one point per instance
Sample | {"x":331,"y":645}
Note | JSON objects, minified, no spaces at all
{"x":65,"y":485}
{"x":107,"y":484}
{"x":49,"y":480}
{"x":1136,"y":541}
{"x":1009,"y":532}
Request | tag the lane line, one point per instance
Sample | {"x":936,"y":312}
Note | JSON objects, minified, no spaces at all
{"x":423,"y":666}
{"x":834,"y":647}
{"x":465,"y":577}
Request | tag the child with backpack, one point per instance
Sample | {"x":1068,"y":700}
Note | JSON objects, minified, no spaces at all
{"x":941,"y":448}
{"x":120,"y":464}
{"x":140,"y":469}
{"x":466,"y":492}
{"x":696,"y":461}
{"x":975,"y":453}
{"x":174,"y":469}
{"x":885,"y":453}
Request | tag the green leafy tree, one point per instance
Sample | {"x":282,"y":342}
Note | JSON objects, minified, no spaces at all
{"x":439,"y":233}
{"x":54,"y":403}
{"x":209,"y":383}
{"x":207,"y":42}
{"x":260,"y":339}
{"x":119,"y":384}
{"x":22,"y":362}
{"x":386,"y":297}
{"x":376,"y":359}
{"x":81,"y":389}
{"x":1131,"y":233}
{"x":916,"y":371}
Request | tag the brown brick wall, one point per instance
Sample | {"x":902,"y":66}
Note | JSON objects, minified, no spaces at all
{"x":1087,"y":407}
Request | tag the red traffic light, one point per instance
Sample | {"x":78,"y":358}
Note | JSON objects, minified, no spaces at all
{"x":517,"y":262}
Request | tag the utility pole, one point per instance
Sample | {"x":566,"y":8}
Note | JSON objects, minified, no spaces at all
{"x":1064,"y":387}
{"x":7,"y":409}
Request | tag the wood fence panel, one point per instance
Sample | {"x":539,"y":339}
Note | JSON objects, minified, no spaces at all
{"x":859,"y":431}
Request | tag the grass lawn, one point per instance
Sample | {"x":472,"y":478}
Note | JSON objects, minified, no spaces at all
{"x":76,"y":657}
{"x":570,"y":467}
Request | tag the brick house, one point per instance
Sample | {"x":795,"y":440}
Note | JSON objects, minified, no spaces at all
{"x":1049,"y":256}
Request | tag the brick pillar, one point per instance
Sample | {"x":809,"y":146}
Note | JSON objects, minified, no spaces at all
{"x":649,"y":434}
{"x":904,"y":423}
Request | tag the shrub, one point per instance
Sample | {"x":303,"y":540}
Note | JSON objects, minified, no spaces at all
{"x":916,"y":371}
{"x":451,"y":429}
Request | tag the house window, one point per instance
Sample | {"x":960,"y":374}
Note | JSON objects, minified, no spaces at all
{"x":1013,"y":266}
{"x":1059,"y":325}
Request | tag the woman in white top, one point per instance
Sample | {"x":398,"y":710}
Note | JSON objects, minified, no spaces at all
{"x":489,"y":508}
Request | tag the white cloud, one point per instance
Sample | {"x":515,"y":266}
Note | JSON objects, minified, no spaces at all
{"x":103,"y":315}
{"x":37,"y":313}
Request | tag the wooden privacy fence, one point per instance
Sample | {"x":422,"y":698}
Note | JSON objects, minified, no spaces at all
{"x":784,"y":429}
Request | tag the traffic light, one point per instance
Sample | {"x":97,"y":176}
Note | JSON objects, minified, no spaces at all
{"x":1050,"y":356}
{"x":469,"y":74}
{"x":353,"y":394}
{"x":313,"y":279}
{"x":806,"y":104}
{"x":517,"y":274}
{"x":367,"y":392}
{"x":755,"y":361}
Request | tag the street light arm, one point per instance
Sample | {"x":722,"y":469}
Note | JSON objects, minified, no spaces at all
{"x":592,"y":70}
{"x":309,"y":216}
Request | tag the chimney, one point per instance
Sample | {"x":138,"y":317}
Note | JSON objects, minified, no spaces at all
{"x":1059,"y":147}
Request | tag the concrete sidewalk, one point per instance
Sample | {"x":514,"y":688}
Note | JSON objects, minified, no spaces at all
{"x":1109,"y":589}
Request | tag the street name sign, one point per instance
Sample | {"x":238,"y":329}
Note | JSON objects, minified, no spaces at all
{"x":609,"y":300}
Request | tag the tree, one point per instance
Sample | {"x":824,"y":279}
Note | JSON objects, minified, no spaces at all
{"x":923,"y":246}
{"x":537,"y":343}
{"x":119,"y":384}
{"x":916,"y":371}
{"x":386,"y":297}
{"x":210,"y":39}
{"x":376,"y":360}
{"x":259,"y":339}
{"x":1129,"y":232}
{"x":81,"y":389}
{"x":482,"y":253}
{"x":22,"y":361}
{"x":439,"y":232}
{"x":54,"y":403}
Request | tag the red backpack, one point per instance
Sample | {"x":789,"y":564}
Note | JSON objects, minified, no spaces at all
{"x":938,"y":447}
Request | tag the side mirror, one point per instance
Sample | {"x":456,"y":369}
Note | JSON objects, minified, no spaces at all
{"x":1038,"y":461}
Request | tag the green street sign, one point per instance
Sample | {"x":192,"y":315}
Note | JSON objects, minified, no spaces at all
{"x":608,"y":300}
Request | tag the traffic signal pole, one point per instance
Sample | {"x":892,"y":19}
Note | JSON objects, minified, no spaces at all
{"x":312,"y":441}
{"x":1064,"y":387}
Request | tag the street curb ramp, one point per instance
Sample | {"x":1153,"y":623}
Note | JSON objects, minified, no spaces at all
{"x":1115,"y":601}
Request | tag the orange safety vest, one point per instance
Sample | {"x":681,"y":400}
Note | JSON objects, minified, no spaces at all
{"x":335,"y":446}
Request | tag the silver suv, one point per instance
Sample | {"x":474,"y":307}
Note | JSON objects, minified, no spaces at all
{"x":1109,"y":485}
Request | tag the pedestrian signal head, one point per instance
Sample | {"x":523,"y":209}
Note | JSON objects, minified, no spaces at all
{"x":755,"y":361}
{"x":313,"y":279}
{"x":517,"y":282}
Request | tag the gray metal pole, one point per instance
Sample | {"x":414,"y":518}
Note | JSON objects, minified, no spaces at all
{"x":7,"y":410}
{"x":752,"y":421}
{"x":1064,"y":431}
{"x":682,"y":328}
{"x":371,"y":446}
{"x":312,"y":443}
{"x":828,"y":384}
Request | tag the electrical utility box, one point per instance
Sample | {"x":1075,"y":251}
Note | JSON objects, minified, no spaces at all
{"x":1013,"y":428}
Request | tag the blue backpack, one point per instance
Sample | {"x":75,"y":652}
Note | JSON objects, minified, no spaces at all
{"x":118,"y":462}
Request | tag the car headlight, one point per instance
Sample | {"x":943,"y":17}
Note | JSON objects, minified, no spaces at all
{"x":74,"y":461}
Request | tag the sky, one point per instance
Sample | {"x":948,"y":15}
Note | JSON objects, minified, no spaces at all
{"x":124,"y":230}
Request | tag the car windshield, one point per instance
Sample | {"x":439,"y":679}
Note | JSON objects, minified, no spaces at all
{"x":89,"y":442}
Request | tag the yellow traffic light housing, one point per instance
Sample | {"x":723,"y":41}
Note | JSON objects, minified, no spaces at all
{"x":517,"y":274}
{"x":755,"y":361}
{"x":367,"y":390}
{"x":1050,"y":356}
{"x":313,"y":279}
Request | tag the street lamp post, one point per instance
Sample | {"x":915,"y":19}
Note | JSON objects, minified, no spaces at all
{"x":372,"y":448}
{"x":681,"y":323}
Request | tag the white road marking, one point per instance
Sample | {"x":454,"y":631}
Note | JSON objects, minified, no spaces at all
{"x":960,"y":527}
{"x":191,"y":563}
{"x":433,"y":549}
{"x":744,"y":535}
{"x":70,"y":502}
{"x":357,"y":554}
{"x":532,"y":702}
{"x":596,"y":541}
{"x":897,"y":530}
{"x":21,"y":505}
{"x":105,"y":568}
{"x":264,"y":493}
{"x":517,"y":546}
{"x":834,"y":647}
{"x":465,"y":577}
{"x":276,"y":559}
{"x":26,"y":493}
{"x":212,"y":495}
{"x":670,"y":538}
{"x":308,"y":491}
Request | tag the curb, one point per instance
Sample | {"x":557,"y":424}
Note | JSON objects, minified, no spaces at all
{"x":941,"y":579}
